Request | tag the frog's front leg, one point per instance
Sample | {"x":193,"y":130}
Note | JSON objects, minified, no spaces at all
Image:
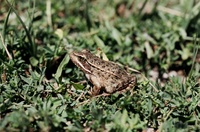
{"x":96,"y":82}
{"x":94,"y":91}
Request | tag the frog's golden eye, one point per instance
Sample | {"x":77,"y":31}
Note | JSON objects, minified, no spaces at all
{"x":81,"y":59}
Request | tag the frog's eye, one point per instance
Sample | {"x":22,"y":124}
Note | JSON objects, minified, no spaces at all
{"x":81,"y":59}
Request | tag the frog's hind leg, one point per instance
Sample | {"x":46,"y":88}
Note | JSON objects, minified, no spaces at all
{"x":128,"y":88}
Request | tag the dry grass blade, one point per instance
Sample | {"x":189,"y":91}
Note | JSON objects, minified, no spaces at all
{"x":7,"y":52}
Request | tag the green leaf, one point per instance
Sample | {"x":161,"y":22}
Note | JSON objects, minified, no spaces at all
{"x":33,"y":61}
{"x":78,"y":86}
{"x":61,"y":66}
{"x":27,"y":80}
{"x":99,"y":42}
{"x":185,"y":54}
{"x":148,"y":50}
{"x":124,"y":117}
{"x":116,"y":35}
{"x":59,"y":32}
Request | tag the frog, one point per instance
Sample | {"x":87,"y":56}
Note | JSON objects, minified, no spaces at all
{"x":106,"y":76}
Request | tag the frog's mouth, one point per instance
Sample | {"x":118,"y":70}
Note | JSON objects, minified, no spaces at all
{"x":83,"y":64}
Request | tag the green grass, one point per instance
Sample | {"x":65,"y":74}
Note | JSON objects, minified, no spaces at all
{"x":42,"y":90}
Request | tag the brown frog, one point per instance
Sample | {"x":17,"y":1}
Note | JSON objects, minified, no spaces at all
{"x":106,"y":76}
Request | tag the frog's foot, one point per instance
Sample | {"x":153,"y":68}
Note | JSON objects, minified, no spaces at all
{"x":94,"y":91}
{"x":128,"y":88}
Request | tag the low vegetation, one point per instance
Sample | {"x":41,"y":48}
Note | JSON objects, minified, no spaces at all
{"x":42,"y":90}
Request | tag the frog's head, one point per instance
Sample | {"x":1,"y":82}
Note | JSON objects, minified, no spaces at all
{"x":80,"y":59}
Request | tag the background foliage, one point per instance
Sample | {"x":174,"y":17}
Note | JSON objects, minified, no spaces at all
{"x":41,"y":90}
